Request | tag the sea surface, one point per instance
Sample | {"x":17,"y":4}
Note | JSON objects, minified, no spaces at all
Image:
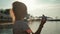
{"x":50,"y":27}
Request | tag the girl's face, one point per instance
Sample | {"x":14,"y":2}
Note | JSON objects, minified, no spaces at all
{"x":12,"y":14}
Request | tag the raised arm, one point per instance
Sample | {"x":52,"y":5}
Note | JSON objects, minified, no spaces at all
{"x":43,"y":21}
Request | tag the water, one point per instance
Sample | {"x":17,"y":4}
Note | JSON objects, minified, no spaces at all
{"x":50,"y":27}
{"x":6,"y":31}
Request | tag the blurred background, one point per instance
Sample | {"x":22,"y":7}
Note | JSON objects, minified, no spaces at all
{"x":35,"y":9}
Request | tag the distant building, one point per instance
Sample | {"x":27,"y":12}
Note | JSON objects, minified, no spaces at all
{"x":5,"y":16}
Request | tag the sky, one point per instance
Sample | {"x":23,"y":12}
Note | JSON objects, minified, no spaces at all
{"x":37,"y":7}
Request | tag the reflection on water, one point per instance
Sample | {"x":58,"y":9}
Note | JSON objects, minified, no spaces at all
{"x":49,"y":28}
{"x":6,"y":31}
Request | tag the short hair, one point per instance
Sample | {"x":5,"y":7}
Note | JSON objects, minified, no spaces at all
{"x":19,"y":9}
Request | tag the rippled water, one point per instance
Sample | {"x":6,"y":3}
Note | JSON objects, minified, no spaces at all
{"x":50,"y":27}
